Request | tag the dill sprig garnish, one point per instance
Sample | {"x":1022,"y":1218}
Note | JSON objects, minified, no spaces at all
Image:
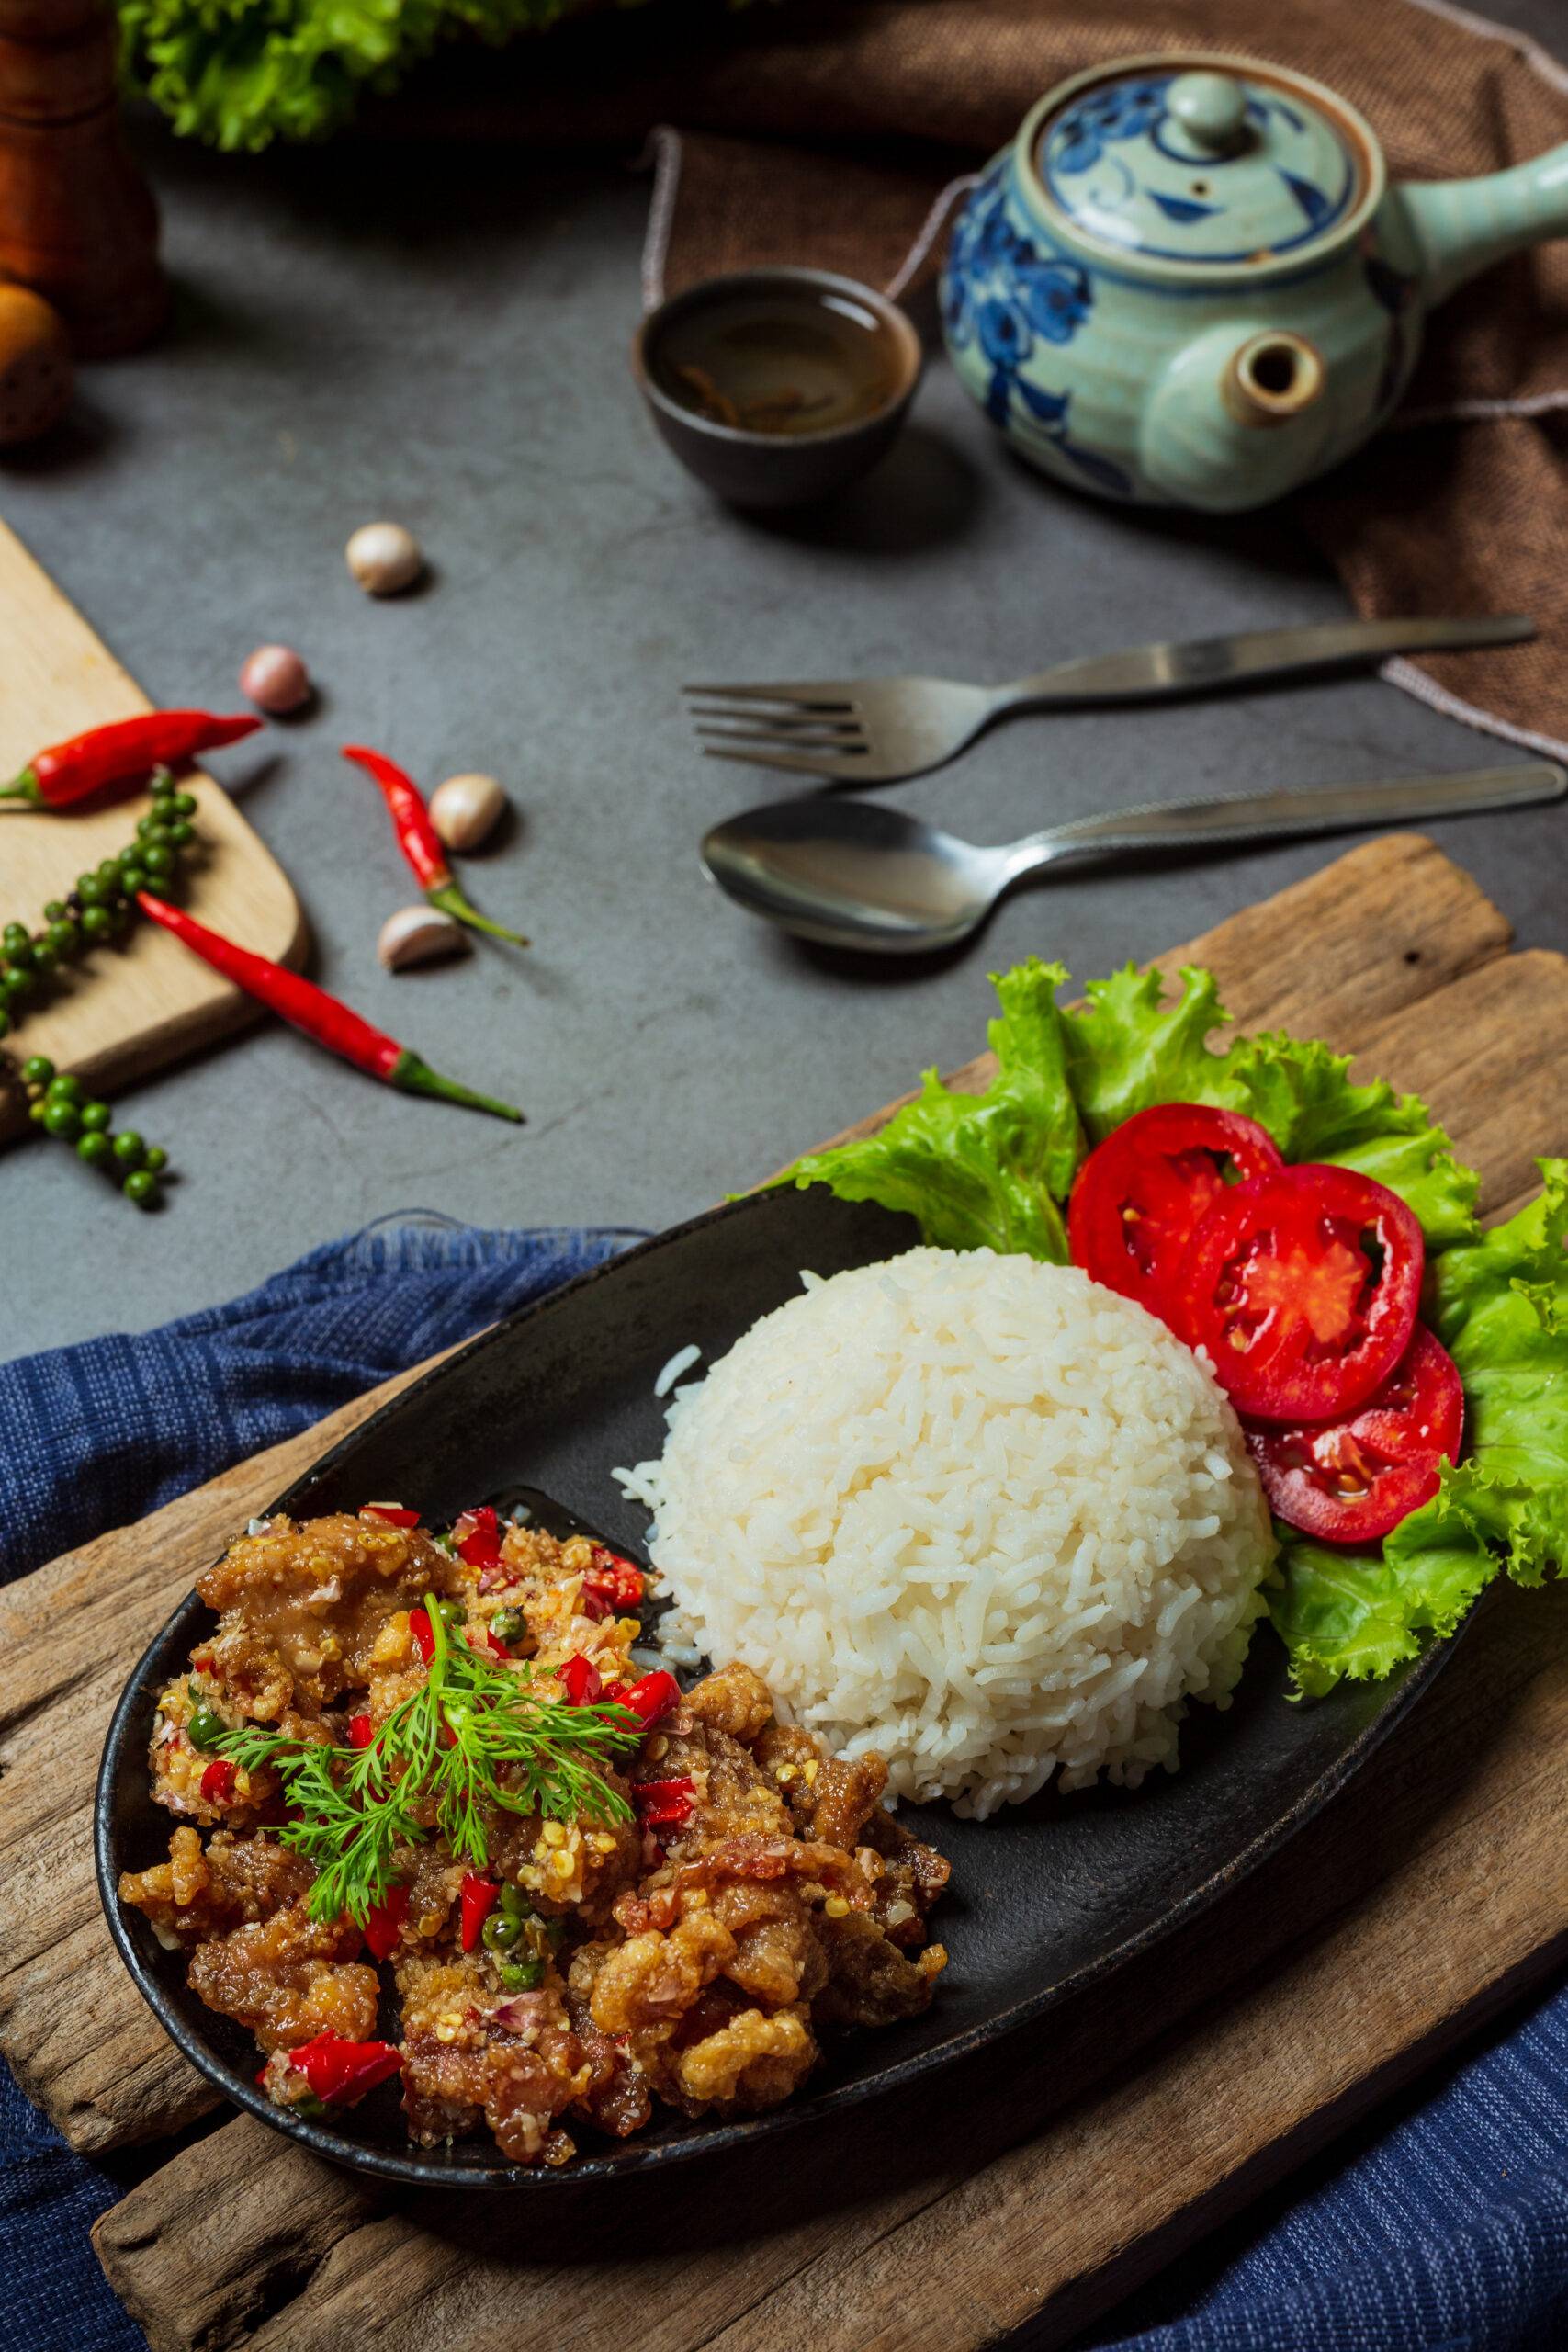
{"x":473,"y":1734}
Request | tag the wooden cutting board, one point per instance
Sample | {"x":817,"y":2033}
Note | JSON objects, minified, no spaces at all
{"x":126,"y":1010}
{"x":1012,"y":2201}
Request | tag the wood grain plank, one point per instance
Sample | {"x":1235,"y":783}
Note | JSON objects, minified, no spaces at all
{"x":160,"y":1002}
{"x":74,"y":1627}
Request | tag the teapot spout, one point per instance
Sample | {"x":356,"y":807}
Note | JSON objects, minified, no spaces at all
{"x":1461,"y":227}
{"x":1237,"y":418}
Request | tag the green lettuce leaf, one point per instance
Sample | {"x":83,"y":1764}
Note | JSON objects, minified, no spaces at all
{"x":1500,"y":1306}
{"x":978,"y":1170}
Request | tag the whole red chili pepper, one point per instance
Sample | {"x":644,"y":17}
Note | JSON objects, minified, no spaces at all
{"x":344,"y":2071}
{"x":309,"y":1009}
{"x":479,"y":1900}
{"x":653,"y":1698}
{"x":420,"y":844}
{"x":67,"y":772}
{"x":385,"y":1924}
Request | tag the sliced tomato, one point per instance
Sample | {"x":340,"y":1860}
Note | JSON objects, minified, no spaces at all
{"x":1142,"y":1193}
{"x":1349,"y":1481}
{"x":1303,"y":1287}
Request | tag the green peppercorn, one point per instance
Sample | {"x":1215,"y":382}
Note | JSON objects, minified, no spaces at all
{"x":184,"y":803}
{"x":95,"y":1115}
{"x":129,"y":1147}
{"x":500,"y":1931}
{"x":141,"y":1187}
{"x":17,"y":940}
{"x":61,"y":1119}
{"x":16,"y":984}
{"x":66,"y":1087}
{"x":134,"y":878}
{"x":37,"y":1070}
{"x":520,"y":1975}
{"x":55,"y":910}
{"x":4,"y":1021}
{"x":159,"y":859}
{"x":19,"y":954}
{"x":507,"y":1624}
{"x":149,"y":829}
{"x":93,"y":1147}
{"x":37,"y":1111}
{"x":450,"y":1612}
{"x":45,"y":958}
{"x":157,"y":1157}
{"x":90,"y":890}
{"x":513,"y":1902}
{"x":96,"y":923}
{"x":310,"y":2109}
{"x":64,"y":937}
{"x":181,"y":835}
{"x":204,"y":1728}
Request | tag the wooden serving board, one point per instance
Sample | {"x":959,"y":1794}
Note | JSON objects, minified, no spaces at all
{"x":1012,"y":2200}
{"x":131,"y":1008}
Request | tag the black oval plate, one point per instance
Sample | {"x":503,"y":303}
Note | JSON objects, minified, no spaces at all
{"x":1046,"y":1896}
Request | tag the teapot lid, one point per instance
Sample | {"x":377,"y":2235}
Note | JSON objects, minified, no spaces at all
{"x":1220,"y":163}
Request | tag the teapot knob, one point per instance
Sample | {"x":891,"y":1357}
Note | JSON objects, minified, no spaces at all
{"x":1211,"y":108}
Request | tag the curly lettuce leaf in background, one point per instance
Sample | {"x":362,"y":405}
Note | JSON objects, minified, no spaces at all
{"x":1500,"y":1306}
{"x":994,"y":1169}
{"x":242,"y":73}
{"x":980,"y":1170}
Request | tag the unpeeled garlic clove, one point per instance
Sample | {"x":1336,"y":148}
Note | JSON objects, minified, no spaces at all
{"x":465,"y":810}
{"x":384,"y":558}
{"x":420,"y":935}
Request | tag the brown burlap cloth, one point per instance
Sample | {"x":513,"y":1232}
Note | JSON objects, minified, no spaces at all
{"x":822,"y":134}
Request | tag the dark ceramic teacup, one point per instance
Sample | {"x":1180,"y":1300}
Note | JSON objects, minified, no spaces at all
{"x":736,"y":370}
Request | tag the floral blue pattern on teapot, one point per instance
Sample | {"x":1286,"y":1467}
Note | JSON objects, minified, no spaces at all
{"x":1187,"y":281}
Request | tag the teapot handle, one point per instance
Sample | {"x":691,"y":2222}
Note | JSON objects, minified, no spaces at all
{"x":1463,"y":226}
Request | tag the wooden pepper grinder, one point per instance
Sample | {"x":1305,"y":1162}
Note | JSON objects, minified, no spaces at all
{"x":77,"y":221}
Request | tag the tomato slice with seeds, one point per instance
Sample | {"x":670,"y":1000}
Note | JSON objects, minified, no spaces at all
{"x":1303,"y":1287}
{"x":1141,"y":1194}
{"x":1352,"y":1480}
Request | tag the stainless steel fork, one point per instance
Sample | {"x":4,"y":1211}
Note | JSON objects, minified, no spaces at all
{"x":875,"y":730}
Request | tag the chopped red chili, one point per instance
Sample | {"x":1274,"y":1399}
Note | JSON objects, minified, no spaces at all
{"x":664,"y":1802}
{"x":217,"y":1782}
{"x":614,"y":1580}
{"x":479,"y":1900}
{"x":652,"y":1698}
{"x":424,"y":1632}
{"x":360,"y":1731}
{"x":579,"y":1681}
{"x":479,"y":1543}
{"x":344,"y":2071}
{"x":385,"y":1924}
{"x":393,"y":1513}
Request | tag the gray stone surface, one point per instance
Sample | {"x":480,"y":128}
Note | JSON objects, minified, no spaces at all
{"x":441,"y":337}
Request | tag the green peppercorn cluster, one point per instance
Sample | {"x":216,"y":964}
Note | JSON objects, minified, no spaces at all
{"x":102,"y":904}
{"x":519,"y":1939}
{"x":60,"y":1105}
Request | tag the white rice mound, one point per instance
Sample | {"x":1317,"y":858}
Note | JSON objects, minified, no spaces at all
{"x":979,"y":1513}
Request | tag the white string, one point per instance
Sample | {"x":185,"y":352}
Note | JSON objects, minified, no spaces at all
{"x":662,"y":153}
{"x":932,"y":228}
{"x":1478,"y":412}
{"x":1411,"y":681}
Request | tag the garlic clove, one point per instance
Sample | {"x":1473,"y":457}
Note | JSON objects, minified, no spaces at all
{"x":465,"y":810}
{"x":420,"y":935}
{"x":384,"y":558}
{"x":275,"y":679}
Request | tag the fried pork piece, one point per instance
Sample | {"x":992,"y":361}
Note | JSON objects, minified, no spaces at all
{"x":514,"y":2061}
{"x":289,"y":1978}
{"x":195,"y":1894}
{"x":618,"y":2098}
{"x":869,"y":1982}
{"x":839,"y":1800}
{"x":301,"y":1607}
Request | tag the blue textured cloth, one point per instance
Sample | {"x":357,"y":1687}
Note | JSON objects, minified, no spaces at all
{"x":1448,"y":2232}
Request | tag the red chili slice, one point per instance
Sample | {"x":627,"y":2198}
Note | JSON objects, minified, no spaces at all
{"x":478,"y":1894}
{"x":1349,"y":1481}
{"x":385,"y":1924}
{"x":1141,"y":1194}
{"x":1304,"y":1287}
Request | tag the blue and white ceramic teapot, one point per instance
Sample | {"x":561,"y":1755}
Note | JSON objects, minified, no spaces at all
{"x":1188,"y":280}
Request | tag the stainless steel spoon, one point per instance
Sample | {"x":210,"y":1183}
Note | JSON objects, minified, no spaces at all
{"x":857,"y":873}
